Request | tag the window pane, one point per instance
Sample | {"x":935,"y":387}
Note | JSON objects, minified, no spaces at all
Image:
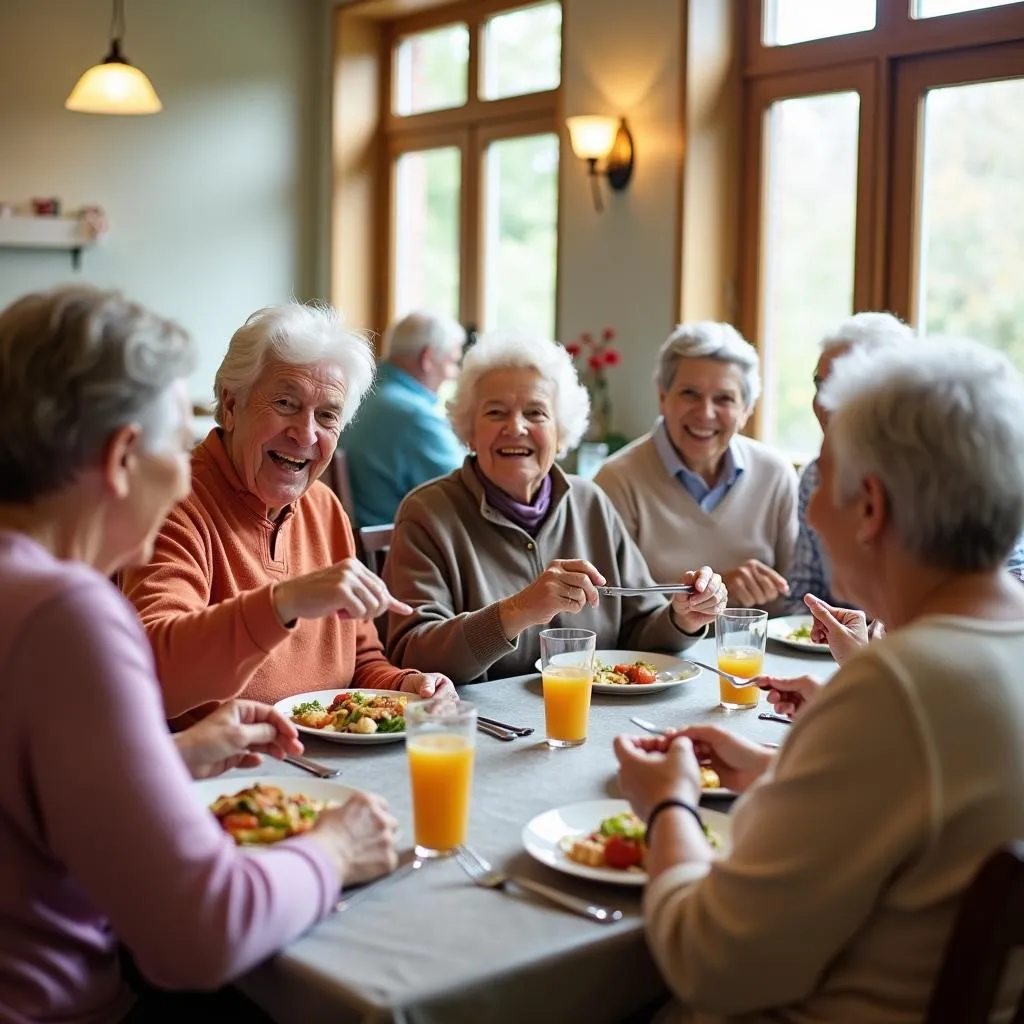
{"x":797,"y":21}
{"x":522,"y":51}
{"x":972,"y":222}
{"x":431,"y":70}
{"x":808,"y":257}
{"x":934,"y":8}
{"x":426,"y":226}
{"x":521,"y":229}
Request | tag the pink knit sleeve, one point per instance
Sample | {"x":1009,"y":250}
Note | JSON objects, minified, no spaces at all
{"x":116,"y":805}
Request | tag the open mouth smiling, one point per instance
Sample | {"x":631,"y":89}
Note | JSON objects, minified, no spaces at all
{"x":288,"y":462}
{"x":515,"y":452}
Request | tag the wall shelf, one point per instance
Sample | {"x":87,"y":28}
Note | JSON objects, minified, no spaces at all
{"x":62,"y":234}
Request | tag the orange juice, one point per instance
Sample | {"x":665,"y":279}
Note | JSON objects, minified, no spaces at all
{"x":745,"y":662}
{"x":566,"y":703}
{"x":441,"y":770}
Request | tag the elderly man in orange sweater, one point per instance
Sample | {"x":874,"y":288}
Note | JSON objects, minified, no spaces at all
{"x":254,"y":588}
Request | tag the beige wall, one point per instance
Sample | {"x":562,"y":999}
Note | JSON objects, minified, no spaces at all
{"x":213,"y":203}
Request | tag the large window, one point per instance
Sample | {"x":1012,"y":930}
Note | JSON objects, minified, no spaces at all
{"x":882,"y":173}
{"x":472,"y":142}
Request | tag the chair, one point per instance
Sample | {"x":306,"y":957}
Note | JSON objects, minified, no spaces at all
{"x":375,"y":541}
{"x":988,"y":928}
{"x":336,"y":477}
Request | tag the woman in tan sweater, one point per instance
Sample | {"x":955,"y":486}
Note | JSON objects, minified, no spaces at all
{"x":852,"y":847}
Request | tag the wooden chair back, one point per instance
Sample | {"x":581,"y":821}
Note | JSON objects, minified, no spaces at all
{"x":336,"y":477}
{"x":988,"y":928}
{"x":375,"y":541}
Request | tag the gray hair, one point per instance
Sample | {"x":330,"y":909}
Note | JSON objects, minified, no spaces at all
{"x":76,"y":364}
{"x":506,"y":350}
{"x":869,"y":332}
{"x":301,"y":335}
{"x":418,"y":331}
{"x":942,"y":426}
{"x":706,"y":339}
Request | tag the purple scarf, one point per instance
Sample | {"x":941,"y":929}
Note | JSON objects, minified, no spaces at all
{"x":526,"y":517}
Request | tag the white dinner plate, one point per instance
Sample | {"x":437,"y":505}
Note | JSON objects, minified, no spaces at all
{"x":671,"y":671}
{"x":325,"y":697}
{"x":543,"y":836}
{"x":208,"y":790}
{"x":780,"y":630}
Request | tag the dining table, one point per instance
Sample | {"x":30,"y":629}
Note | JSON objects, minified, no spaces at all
{"x":433,"y":947}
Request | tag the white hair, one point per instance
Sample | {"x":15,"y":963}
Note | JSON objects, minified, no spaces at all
{"x":422,"y":330}
{"x":301,"y":335}
{"x":942,"y":427}
{"x":706,"y":339}
{"x":506,"y":350}
{"x":869,"y":332}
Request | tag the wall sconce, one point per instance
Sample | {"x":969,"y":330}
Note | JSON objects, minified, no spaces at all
{"x":114,"y":86}
{"x":595,"y":138}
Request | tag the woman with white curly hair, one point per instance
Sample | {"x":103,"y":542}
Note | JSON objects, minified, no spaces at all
{"x":254,"y":588}
{"x":509,"y":542}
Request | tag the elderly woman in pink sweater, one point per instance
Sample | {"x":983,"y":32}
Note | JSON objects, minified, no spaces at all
{"x":102,"y":840}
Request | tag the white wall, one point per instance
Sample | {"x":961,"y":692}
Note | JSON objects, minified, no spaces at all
{"x":620,"y":268}
{"x":213,"y":203}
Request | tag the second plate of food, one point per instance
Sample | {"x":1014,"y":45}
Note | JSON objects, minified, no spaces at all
{"x":354,"y":715}
{"x":795,"y":631}
{"x":628,"y":672}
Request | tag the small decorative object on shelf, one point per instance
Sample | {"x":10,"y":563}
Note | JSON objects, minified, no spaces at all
{"x":39,"y":225}
{"x":46,"y":207}
{"x":594,"y":356}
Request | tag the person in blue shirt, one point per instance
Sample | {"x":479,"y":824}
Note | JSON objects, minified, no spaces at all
{"x":400,"y":437}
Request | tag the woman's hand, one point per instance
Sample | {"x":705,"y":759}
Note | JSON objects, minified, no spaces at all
{"x":359,"y":837}
{"x":843,"y":629}
{"x":692,"y":612}
{"x":235,"y":736}
{"x":346,"y":588}
{"x":656,"y":768}
{"x":739,"y":762}
{"x":429,"y":684}
{"x":789,"y":696}
{"x":754,"y":584}
{"x":566,"y":586}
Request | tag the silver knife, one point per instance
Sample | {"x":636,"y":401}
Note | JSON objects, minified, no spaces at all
{"x":351,"y":898}
{"x":658,"y":588}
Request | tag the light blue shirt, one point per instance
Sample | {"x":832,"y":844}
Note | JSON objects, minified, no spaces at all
{"x":708,"y":498}
{"x":398,"y":440}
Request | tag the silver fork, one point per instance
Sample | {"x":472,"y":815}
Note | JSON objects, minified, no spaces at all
{"x":321,"y":771}
{"x":482,"y":874}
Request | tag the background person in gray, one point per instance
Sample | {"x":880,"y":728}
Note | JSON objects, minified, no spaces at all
{"x":401,"y":437}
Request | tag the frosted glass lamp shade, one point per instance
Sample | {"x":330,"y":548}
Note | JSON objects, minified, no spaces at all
{"x":114,"y":87}
{"x":591,"y":136}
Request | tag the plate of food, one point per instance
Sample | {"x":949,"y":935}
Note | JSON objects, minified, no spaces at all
{"x":355,"y":715}
{"x":602,"y":840}
{"x":795,"y":631}
{"x":711,"y":784}
{"x":270,"y":808}
{"x":629,"y":672}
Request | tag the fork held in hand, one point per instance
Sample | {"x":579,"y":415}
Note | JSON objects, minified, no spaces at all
{"x":482,"y":874}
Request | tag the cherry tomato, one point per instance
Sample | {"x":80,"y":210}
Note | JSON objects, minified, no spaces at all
{"x":230,"y":822}
{"x":622,"y":853}
{"x":641,"y":674}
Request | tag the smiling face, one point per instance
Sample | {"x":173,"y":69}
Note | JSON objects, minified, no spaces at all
{"x":515,"y":436}
{"x":703,"y":409}
{"x":281,"y":439}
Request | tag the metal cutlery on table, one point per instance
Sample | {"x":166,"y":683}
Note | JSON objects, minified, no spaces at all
{"x":348,"y":899}
{"x":731,"y":679}
{"x":482,"y":874}
{"x":658,"y":731}
{"x":767,"y":716}
{"x":667,"y":588}
{"x":321,"y":771}
{"x":519,"y":730}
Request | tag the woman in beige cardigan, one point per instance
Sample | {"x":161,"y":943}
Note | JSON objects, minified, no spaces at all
{"x":853,"y":846}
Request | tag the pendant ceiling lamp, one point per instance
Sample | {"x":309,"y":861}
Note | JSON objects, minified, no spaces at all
{"x":114,"y":86}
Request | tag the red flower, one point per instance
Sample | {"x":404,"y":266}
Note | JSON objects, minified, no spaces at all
{"x":612,"y":357}
{"x":608,"y":334}
{"x":595,"y":362}
{"x":586,"y":338}
{"x":573,"y":349}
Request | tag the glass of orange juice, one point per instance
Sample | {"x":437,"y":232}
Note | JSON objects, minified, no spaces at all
{"x":440,"y":738}
{"x":567,"y":671}
{"x":739,"y":637}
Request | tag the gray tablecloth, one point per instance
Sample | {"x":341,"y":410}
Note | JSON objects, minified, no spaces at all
{"x":432,"y":947}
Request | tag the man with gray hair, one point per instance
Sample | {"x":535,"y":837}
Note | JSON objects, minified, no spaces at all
{"x":401,"y":439}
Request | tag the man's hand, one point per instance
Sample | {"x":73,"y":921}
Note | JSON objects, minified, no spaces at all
{"x":843,"y":629}
{"x":789,"y":696}
{"x":692,"y":612}
{"x":235,"y":736}
{"x":347,"y":589}
{"x":754,"y":584}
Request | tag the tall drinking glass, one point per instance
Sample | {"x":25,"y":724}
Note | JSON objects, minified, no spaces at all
{"x":739,"y":637}
{"x":440,"y":738}
{"x":567,"y":671}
